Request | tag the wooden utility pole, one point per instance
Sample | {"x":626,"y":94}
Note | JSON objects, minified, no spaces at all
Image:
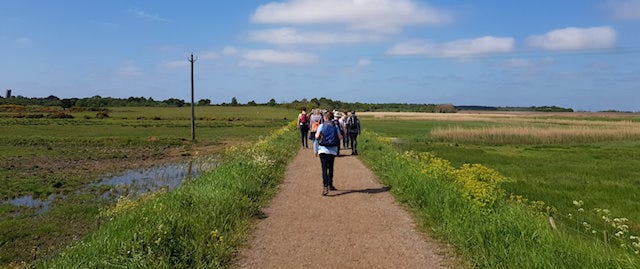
{"x":193,"y":112}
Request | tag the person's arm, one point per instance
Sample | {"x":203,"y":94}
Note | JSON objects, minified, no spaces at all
{"x":319,"y":131}
{"x":339,"y":134}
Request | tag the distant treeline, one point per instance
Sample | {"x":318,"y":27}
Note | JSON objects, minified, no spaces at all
{"x":515,"y":108}
{"x":98,"y":102}
{"x":327,"y":103}
{"x":95,"y":101}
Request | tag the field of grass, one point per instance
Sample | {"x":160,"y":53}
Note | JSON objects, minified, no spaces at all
{"x":554,"y":158}
{"x":41,"y":155}
{"x":199,"y":225}
{"x":579,"y":164}
{"x":464,"y":207}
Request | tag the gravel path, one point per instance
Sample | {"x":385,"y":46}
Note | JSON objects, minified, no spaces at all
{"x":358,"y":226}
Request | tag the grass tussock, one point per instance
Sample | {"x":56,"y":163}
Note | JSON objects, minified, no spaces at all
{"x":503,"y":234}
{"x":199,"y":225}
{"x":533,"y":135}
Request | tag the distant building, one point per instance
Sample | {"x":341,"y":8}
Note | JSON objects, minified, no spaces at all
{"x":8,"y":95}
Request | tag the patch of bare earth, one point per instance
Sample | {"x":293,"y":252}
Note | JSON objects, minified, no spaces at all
{"x":358,"y":226}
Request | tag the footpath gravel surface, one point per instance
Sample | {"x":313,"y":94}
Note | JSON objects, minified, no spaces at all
{"x":358,"y":226}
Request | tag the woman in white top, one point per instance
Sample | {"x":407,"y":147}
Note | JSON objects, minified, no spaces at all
{"x":315,"y":120}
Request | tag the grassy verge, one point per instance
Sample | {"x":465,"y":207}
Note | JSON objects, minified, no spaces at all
{"x":198,"y":225}
{"x":500,"y":234}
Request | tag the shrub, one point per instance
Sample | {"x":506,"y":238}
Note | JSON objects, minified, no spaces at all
{"x":60,"y":115}
{"x":102,"y":114}
{"x":12,"y":108}
{"x":480,"y":185}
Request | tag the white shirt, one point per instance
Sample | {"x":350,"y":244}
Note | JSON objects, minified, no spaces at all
{"x":323,"y":149}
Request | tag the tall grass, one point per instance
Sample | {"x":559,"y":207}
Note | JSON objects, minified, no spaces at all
{"x":198,"y":225}
{"x":531,"y":135}
{"x":510,"y":235}
{"x":510,"y":117}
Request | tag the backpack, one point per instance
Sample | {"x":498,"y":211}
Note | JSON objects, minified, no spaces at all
{"x":353,"y":124}
{"x":315,"y":125}
{"x":303,"y":118}
{"x":329,"y":135}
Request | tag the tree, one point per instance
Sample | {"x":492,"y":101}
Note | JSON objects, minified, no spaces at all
{"x":272,"y":102}
{"x":204,"y":102}
{"x":68,"y":103}
{"x":445,"y":108}
{"x":315,"y":102}
{"x":174,"y":102}
{"x":234,"y":101}
{"x":252,"y":103}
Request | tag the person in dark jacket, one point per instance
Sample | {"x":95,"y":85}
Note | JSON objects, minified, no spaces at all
{"x":353,"y":128}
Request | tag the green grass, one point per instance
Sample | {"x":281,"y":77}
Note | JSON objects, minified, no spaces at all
{"x":508,"y":236}
{"x":603,"y":175}
{"x":198,"y":225}
{"x":42,"y":156}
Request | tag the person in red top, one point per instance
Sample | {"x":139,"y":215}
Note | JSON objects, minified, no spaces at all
{"x":303,"y":126}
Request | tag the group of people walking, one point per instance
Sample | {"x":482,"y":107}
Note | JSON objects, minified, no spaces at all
{"x":329,"y":131}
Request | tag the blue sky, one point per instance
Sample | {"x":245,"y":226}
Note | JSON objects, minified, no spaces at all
{"x":583,"y":54}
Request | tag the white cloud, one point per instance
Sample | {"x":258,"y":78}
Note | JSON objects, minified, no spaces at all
{"x":145,"y":15}
{"x":177,"y":64}
{"x":229,"y":50}
{"x":364,"y":62}
{"x":624,"y":9}
{"x":573,"y":38}
{"x":209,"y":55}
{"x":456,"y":49}
{"x":386,"y":16}
{"x":259,"y":57}
{"x":290,"y":36}
{"x":128,"y":69}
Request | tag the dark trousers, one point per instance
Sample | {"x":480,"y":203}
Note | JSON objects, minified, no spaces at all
{"x":327,"y":168}
{"x":353,"y":140}
{"x":345,"y":140}
{"x":304,"y":135}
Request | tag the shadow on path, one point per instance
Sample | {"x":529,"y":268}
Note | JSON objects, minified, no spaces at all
{"x":368,"y":191}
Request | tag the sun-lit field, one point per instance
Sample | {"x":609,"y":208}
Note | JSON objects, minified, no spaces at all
{"x":50,"y":163}
{"x":556,"y":158}
{"x":577,"y":172}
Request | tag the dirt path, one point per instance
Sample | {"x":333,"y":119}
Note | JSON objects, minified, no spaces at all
{"x":358,"y":226}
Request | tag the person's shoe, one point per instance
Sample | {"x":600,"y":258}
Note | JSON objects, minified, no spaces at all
{"x":332,"y":188}
{"x":325,"y":191}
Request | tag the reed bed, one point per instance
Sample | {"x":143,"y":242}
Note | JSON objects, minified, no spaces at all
{"x":545,"y":134}
{"x":586,"y":118}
